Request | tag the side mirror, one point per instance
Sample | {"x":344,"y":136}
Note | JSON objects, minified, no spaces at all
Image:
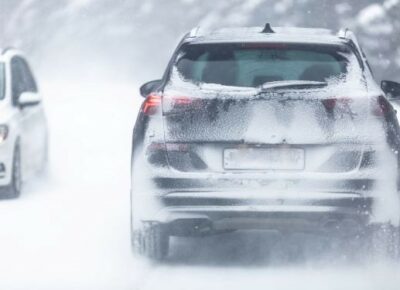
{"x":391,"y":89}
{"x":28,"y":99}
{"x":149,"y":87}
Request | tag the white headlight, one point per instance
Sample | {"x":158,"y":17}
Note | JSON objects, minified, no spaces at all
{"x":3,"y":133}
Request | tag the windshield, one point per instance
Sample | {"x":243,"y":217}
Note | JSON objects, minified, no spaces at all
{"x":2,"y":81}
{"x":254,"y":65}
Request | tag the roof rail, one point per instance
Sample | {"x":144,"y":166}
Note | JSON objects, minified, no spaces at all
{"x":194,"y":32}
{"x":8,"y":48}
{"x":349,"y":35}
{"x":344,"y":33}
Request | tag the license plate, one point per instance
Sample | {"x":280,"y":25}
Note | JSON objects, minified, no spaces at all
{"x":264,"y":158}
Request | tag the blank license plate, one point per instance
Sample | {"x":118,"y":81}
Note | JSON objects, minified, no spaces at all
{"x":264,"y":158}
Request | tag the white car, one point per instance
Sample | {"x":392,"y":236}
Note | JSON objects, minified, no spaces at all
{"x":23,"y":127}
{"x":267,"y":128}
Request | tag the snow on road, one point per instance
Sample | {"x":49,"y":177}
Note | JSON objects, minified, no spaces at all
{"x":70,"y":230}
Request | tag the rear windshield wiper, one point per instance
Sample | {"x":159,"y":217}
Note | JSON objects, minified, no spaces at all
{"x":292,"y":85}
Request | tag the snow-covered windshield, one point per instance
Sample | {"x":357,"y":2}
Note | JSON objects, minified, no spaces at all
{"x":256,"y":64}
{"x":2,"y":81}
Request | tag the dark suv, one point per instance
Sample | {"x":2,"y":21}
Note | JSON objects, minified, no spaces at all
{"x":279,"y":129}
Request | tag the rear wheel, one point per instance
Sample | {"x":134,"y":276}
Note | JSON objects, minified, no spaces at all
{"x":152,"y":241}
{"x":385,"y":241}
{"x":13,"y":190}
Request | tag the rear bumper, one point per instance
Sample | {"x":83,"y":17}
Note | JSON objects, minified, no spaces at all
{"x":289,"y":201}
{"x":188,"y":213}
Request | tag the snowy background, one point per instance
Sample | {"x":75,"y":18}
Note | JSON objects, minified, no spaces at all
{"x":70,"y":230}
{"x":133,"y":39}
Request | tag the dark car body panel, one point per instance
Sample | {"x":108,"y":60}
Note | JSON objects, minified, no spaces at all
{"x":178,"y":174}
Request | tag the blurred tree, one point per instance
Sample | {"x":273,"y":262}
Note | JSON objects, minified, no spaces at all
{"x":138,"y":35}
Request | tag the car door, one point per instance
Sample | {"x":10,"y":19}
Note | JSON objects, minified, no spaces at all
{"x":32,"y":118}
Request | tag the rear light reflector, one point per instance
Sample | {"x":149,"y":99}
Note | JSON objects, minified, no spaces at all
{"x":151,"y":104}
{"x":182,"y":147}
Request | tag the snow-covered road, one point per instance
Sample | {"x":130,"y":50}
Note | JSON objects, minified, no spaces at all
{"x":70,"y":230}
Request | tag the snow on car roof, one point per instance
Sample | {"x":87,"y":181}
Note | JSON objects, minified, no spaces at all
{"x":254,"y":34}
{"x":5,"y":49}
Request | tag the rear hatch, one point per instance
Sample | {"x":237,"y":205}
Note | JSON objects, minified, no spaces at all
{"x":243,"y":130}
{"x":265,"y":106}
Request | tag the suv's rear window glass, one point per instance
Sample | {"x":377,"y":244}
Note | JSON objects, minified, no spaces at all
{"x":2,"y":81}
{"x":251,"y":65}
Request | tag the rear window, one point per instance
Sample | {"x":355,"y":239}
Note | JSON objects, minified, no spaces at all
{"x":2,"y":81}
{"x":252,"y":65}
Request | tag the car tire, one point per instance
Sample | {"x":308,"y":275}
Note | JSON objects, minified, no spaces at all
{"x":385,"y":242}
{"x":13,"y":190}
{"x":151,"y":241}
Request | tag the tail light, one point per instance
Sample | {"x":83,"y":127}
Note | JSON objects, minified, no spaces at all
{"x":151,"y":104}
{"x":381,"y":107}
{"x":182,"y":147}
{"x":181,"y":101}
{"x":175,"y":104}
{"x":3,"y":133}
{"x":331,"y":103}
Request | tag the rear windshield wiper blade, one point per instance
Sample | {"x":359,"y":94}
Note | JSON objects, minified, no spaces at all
{"x":292,"y":85}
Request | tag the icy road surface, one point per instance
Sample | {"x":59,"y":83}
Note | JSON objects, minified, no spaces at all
{"x":70,"y":230}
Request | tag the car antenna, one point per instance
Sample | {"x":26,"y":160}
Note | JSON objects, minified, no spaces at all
{"x":267,"y":29}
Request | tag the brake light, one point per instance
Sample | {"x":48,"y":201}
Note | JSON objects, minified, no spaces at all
{"x":182,"y":102}
{"x":331,"y":103}
{"x":381,"y":107}
{"x":151,"y":104}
